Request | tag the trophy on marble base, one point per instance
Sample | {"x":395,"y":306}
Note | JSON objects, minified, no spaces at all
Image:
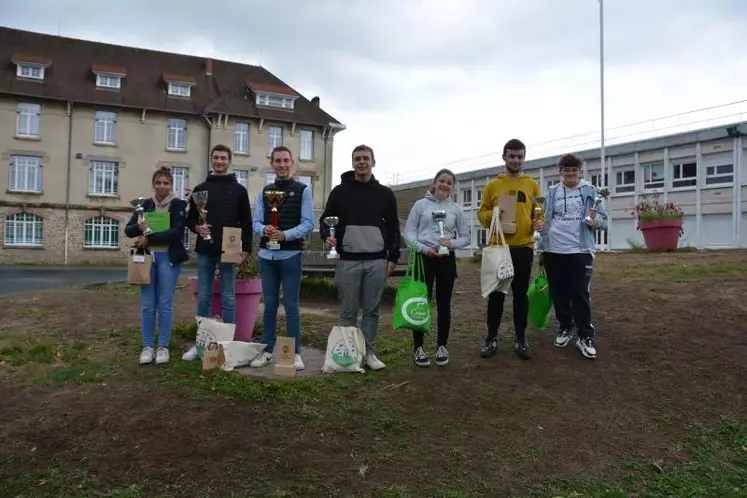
{"x":439,"y":215}
{"x":274,"y":198}
{"x":602,"y":194}
{"x":201,"y":199}
{"x":331,"y":221}
{"x":140,"y":210}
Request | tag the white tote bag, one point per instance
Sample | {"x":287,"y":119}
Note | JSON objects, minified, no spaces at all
{"x":497,"y":269}
{"x":346,"y":348}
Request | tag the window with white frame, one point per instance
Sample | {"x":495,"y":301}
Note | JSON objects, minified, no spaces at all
{"x":25,"y":174}
{"x":181,"y":181}
{"x":653,"y":176}
{"x":274,"y":138}
{"x":270,"y":178}
{"x":27,"y":120}
{"x":684,"y":173}
{"x":177,"y":135}
{"x":454,"y":197}
{"x":596,"y":180}
{"x":242,"y":176}
{"x":24,"y":229}
{"x":274,"y":100}
{"x":101,"y":233}
{"x":180,"y":89}
{"x":467,"y":197}
{"x":625,"y":181}
{"x":108,"y":81}
{"x":30,"y":71}
{"x":550,"y":182}
{"x":479,"y":196}
{"x":482,"y":237}
{"x":719,"y":168}
{"x":307,"y":145}
{"x":105,"y":128}
{"x":103,"y":179}
{"x":241,"y":138}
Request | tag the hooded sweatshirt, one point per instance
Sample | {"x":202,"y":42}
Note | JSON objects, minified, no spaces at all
{"x":567,"y":219}
{"x":422,"y":231}
{"x":525,"y":188}
{"x":368,"y":227}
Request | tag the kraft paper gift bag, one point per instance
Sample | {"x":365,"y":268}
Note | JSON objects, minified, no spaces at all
{"x":231,"y":245}
{"x":139,"y":264}
{"x":214,"y":357}
{"x":507,"y":213}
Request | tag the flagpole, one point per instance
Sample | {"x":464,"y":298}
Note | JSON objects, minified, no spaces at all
{"x":602,"y":156}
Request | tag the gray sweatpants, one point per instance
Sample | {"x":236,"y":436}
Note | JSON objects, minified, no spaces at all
{"x":360,"y":284}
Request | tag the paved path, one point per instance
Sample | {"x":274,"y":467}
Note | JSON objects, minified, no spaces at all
{"x":18,"y":279}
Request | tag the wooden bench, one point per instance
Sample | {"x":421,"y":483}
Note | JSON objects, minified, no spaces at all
{"x":316,"y":264}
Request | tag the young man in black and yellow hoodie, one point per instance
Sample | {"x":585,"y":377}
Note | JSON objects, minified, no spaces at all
{"x":519,"y":239}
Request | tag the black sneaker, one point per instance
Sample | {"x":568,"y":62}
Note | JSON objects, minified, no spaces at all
{"x":442,"y":356}
{"x":523,"y":350}
{"x":421,"y":359}
{"x":489,"y":348}
{"x":564,"y":336}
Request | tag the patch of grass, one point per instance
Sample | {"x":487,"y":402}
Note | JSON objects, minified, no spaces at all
{"x":78,"y":373}
{"x":36,"y":313}
{"x":685,"y":273}
{"x":24,"y":349}
{"x":711,"y":464}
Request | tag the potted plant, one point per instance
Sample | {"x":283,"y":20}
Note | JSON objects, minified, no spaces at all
{"x":660,"y":222}
{"x":248,"y":296}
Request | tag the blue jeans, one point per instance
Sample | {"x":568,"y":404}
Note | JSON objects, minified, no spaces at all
{"x":205,"y":275}
{"x":159,"y":294}
{"x":275,"y":272}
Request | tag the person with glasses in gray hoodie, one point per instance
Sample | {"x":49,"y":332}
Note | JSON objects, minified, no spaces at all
{"x":422,"y":233}
{"x":567,"y":248}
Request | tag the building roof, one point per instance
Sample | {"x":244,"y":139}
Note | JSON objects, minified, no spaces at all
{"x":624,"y":149}
{"x":217,"y":86}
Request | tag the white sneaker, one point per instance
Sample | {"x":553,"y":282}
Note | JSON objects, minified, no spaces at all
{"x":298,"y":363}
{"x":146,"y":356}
{"x":587,"y":347}
{"x":162,"y":356}
{"x":191,"y":355}
{"x":261,"y":360}
{"x":374,"y":363}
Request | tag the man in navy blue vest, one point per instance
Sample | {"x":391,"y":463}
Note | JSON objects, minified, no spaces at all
{"x":283,"y":266}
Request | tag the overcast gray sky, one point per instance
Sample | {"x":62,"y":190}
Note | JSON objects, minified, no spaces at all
{"x":429,"y":82}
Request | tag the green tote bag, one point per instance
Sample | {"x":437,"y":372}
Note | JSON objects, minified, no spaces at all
{"x":540,"y":303}
{"x":412,"y":310}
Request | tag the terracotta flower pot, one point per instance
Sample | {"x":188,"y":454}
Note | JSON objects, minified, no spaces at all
{"x":661,"y":234}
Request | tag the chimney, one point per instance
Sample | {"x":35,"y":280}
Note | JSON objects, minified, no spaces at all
{"x":315,"y":101}
{"x":209,"y":67}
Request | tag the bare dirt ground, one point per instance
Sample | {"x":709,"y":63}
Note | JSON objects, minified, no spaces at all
{"x":81,"y":418}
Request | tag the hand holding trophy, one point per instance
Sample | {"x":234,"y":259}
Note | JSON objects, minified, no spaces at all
{"x":201,"y":199}
{"x":140,"y":210}
{"x":602,"y":194}
{"x":331,"y":221}
{"x":274,"y":198}
{"x":439,"y":215}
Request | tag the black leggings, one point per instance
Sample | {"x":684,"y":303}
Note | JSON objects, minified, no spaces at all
{"x":522,"y":258}
{"x":443,"y":272}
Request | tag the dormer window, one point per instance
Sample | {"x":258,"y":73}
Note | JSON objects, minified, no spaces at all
{"x":30,"y":67}
{"x":109,"y":77}
{"x":179,"y":86}
{"x":274,"y":96}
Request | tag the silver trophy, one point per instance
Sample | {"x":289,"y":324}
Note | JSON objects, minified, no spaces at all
{"x":602,"y":194}
{"x":537,"y":210}
{"x":331,"y":221}
{"x":201,"y":199}
{"x":439,"y":215}
{"x":140,"y":210}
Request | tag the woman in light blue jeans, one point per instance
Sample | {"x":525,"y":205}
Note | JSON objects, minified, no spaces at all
{"x":168,"y":253}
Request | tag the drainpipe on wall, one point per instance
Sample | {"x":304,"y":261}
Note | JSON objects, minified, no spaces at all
{"x":325,"y":137}
{"x":209,"y":125}
{"x":69,"y":166}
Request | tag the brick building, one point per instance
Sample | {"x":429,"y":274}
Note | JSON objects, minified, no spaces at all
{"x":83,"y":125}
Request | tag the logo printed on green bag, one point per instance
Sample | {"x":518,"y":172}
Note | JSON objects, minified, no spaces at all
{"x":344,"y":355}
{"x":416,"y":310}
